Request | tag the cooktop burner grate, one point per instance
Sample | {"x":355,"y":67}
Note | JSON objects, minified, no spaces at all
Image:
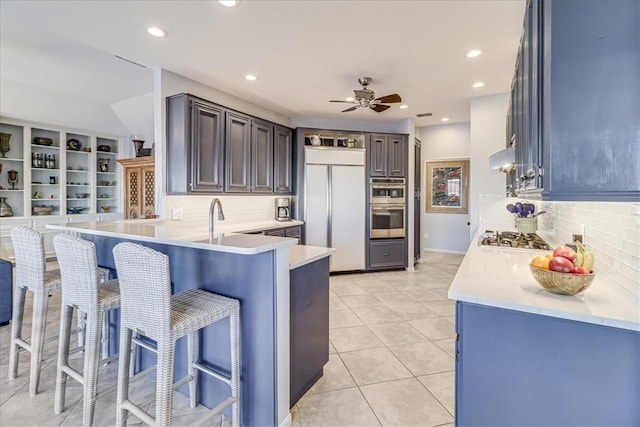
{"x":513,"y":239}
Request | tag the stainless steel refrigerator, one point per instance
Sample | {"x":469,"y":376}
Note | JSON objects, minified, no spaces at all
{"x":335,"y":209}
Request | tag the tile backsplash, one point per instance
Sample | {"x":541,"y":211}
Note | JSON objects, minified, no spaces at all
{"x":237,"y":209}
{"x":611,"y":232}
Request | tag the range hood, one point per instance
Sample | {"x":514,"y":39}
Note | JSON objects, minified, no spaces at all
{"x":503,"y":160}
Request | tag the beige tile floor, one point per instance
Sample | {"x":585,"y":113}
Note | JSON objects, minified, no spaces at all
{"x":391,"y":363}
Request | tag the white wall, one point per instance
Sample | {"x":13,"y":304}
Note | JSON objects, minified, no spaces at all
{"x":447,"y":232}
{"x":33,"y":104}
{"x":488,"y":127}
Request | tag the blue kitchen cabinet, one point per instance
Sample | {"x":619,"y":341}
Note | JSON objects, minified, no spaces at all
{"x":515,"y":368}
{"x":576,"y":97}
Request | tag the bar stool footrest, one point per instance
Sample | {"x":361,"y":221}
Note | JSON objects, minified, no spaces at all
{"x":211,"y":372}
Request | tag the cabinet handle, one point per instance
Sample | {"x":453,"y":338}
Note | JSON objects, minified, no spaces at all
{"x":387,"y":254}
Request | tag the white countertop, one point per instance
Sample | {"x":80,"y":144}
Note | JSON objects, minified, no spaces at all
{"x":500,"y":277}
{"x":182,"y":233}
{"x":300,"y":255}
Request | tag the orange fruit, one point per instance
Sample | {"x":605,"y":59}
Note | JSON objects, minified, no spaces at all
{"x":541,"y":261}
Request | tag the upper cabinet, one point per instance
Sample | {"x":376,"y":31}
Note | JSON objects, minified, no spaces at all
{"x":249,"y":151}
{"x":387,"y":155}
{"x":213,"y":149}
{"x":282,"y":159}
{"x":575,"y":104}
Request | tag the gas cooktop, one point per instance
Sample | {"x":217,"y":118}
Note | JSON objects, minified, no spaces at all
{"x":513,"y":239}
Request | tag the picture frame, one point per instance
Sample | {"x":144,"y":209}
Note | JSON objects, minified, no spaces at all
{"x":447,"y":187}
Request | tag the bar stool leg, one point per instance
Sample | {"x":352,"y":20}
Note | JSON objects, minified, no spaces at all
{"x":124,"y":360}
{"x":164,"y":381}
{"x":66,"y":314}
{"x":16,"y":330}
{"x":91,"y":363}
{"x":193,"y":346}
{"x":38,"y":328}
{"x":234,"y":332}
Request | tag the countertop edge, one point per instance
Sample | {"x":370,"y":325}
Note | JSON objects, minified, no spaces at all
{"x":300,"y":255}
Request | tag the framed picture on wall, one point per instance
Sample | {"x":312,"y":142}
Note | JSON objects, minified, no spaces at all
{"x":447,"y":185}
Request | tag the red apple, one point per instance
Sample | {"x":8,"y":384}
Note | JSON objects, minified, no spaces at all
{"x":580,"y":270}
{"x":561,"y":264}
{"x":565,"y":252}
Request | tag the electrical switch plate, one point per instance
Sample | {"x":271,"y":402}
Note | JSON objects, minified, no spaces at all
{"x":426,"y":235}
{"x":176,"y":214}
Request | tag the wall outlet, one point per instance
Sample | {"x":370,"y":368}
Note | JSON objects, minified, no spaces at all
{"x":577,"y":237}
{"x":176,"y":214}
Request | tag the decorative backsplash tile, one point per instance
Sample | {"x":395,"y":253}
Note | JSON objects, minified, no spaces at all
{"x":611,"y":231}
{"x":237,"y":209}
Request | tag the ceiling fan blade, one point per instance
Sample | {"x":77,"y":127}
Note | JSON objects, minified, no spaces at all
{"x":379,"y":108}
{"x":335,"y":100}
{"x":389,"y":99}
{"x":355,"y":107}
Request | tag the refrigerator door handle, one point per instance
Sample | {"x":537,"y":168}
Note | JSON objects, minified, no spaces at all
{"x":329,"y":206}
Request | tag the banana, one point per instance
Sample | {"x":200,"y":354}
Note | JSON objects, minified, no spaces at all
{"x":587,"y":257}
{"x":580,"y":259}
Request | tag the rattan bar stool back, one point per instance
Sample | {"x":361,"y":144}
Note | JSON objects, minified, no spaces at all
{"x":149,"y":309}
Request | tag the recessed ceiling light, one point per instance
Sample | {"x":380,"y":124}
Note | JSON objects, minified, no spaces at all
{"x":477,"y":85}
{"x":444,"y":119}
{"x":474,"y":53}
{"x":157,"y":32}
{"x":404,"y":106}
{"x":229,"y":3}
{"x":350,"y":99}
{"x":251,"y":77}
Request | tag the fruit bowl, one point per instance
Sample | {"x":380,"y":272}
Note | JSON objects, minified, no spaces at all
{"x":562,"y":283}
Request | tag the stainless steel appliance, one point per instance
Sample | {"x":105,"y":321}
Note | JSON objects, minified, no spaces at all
{"x":335,"y":204}
{"x":387,"y":220}
{"x":387,"y":208}
{"x":283,"y":210}
{"x":387,"y":190}
{"x":513,"y":239}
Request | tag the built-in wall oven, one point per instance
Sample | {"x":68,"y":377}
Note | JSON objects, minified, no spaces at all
{"x":387,"y":208}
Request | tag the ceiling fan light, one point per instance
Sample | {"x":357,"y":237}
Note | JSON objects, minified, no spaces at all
{"x":349,"y":99}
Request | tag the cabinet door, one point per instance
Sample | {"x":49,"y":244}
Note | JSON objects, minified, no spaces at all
{"x":133,"y":193}
{"x":377,"y":154}
{"x":207,"y":160}
{"x":282,"y":160}
{"x":148,"y":186}
{"x":261,"y":157}
{"x":387,"y":254}
{"x":238,"y":156}
{"x":397,"y":155}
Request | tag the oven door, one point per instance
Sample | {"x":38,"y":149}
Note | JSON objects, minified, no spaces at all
{"x":387,"y":221}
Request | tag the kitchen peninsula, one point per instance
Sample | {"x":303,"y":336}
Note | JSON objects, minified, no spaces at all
{"x":254,"y":269}
{"x":525,"y":356}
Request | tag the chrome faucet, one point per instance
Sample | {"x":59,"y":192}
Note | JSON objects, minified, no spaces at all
{"x":214,"y":202}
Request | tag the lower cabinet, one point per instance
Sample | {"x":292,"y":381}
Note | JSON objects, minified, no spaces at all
{"x":309,"y":325}
{"x":293,"y":232}
{"x":385,"y":254}
{"x":140,"y":187}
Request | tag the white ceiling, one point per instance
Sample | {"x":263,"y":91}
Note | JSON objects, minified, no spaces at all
{"x":304,"y":52}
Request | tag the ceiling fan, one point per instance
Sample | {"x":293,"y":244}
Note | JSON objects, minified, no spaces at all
{"x":367,"y":98}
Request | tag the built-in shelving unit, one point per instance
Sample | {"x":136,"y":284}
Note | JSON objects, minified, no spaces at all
{"x":59,"y":172}
{"x":61,"y":175}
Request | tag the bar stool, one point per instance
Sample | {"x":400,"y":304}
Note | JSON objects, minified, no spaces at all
{"x":82,"y":289}
{"x":148,"y":308}
{"x":31,"y":275}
